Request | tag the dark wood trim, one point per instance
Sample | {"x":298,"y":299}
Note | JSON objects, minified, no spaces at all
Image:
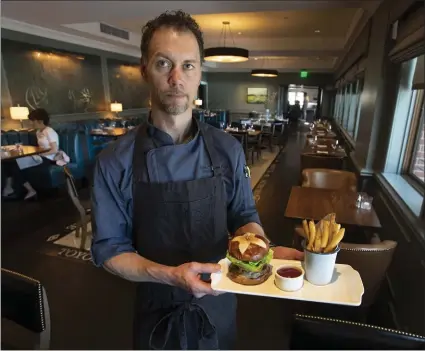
{"x":409,"y":224}
{"x":399,"y":8}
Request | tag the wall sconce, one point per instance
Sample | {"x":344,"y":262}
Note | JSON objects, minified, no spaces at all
{"x":19,"y":113}
{"x":198,"y":102}
{"x":116,"y":107}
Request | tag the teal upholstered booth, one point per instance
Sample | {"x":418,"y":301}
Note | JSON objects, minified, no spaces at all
{"x":53,"y":177}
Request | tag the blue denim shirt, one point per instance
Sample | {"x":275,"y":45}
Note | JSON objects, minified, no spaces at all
{"x":112,"y":197}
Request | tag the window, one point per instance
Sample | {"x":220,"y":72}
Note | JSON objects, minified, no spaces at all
{"x":404,"y":167}
{"x":339,"y":105}
{"x":414,"y":164}
{"x":360,"y":84}
{"x":295,"y":95}
{"x":347,"y":106}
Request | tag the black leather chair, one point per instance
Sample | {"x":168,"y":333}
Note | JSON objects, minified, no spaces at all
{"x":318,"y":333}
{"x":24,"y":302}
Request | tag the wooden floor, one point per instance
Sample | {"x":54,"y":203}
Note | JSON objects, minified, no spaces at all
{"x":92,"y":309}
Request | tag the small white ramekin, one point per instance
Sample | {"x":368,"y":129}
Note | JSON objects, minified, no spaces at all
{"x":289,"y":284}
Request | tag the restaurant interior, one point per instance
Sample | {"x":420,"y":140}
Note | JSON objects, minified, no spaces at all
{"x":327,"y":101}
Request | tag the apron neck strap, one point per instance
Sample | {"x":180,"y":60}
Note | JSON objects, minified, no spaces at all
{"x":144,"y":143}
{"x":208,"y":141}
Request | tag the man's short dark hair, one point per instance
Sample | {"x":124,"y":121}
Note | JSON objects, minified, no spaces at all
{"x":178,"y":20}
{"x":39,"y":114}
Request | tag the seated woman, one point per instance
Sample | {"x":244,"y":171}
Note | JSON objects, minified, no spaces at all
{"x":46,"y":138}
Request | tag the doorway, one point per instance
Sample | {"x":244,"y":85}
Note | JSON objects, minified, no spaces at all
{"x":203,"y":95}
{"x":308,"y":97}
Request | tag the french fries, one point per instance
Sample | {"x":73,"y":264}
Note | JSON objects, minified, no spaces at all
{"x":335,"y":241}
{"x":324,"y":236}
{"x":306,"y":231}
{"x":312,"y":236}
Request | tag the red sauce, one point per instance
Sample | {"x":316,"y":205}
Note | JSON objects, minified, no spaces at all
{"x":289,"y":272}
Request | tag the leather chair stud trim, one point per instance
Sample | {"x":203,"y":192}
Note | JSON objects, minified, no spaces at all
{"x":361,"y":325}
{"x":365,"y":250}
{"x":39,"y":291}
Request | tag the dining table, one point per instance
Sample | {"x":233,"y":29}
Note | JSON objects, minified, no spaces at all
{"x":242,"y":131}
{"x":322,"y":134}
{"x":315,"y":203}
{"x":323,"y":149}
{"x":13,"y":152}
{"x":109,"y":132}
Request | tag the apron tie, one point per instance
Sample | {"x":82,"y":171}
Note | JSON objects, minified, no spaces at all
{"x":208,"y":339}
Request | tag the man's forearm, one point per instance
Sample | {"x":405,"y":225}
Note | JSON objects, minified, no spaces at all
{"x":131,"y":266}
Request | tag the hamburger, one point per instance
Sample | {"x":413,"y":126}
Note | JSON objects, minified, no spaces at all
{"x":249,"y":255}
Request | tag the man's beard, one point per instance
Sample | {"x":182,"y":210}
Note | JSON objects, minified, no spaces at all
{"x":173,"y":109}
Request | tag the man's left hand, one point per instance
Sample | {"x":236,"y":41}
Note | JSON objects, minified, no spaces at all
{"x":287,"y":253}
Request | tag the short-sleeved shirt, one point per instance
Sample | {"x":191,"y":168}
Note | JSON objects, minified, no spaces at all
{"x":112,"y":197}
{"x":45,"y":137}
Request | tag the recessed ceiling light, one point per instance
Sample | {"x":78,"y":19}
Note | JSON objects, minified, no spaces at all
{"x":317,"y":31}
{"x":239,"y":33}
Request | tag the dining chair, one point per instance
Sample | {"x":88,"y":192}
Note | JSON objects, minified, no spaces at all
{"x":278,"y":136}
{"x":370,"y":260}
{"x":329,"y":179}
{"x":247,"y":148}
{"x":83,"y":220}
{"x":268,"y":132}
{"x":318,"y":161}
{"x":319,"y":333}
{"x":24,"y":305}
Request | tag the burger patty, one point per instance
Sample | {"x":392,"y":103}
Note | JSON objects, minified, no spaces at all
{"x":233,"y":269}
{"x":241,"y":276}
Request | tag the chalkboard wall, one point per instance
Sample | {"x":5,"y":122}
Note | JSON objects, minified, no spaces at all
{"x":58,"y":81}
{"x":126,"y":84}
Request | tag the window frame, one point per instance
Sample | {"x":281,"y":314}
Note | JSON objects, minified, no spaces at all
{"x":354,"y":105}
{"x":360,"y":87}
{"x":414,"y":133}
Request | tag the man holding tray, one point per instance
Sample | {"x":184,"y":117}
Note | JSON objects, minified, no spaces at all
{"x":165,"y":197}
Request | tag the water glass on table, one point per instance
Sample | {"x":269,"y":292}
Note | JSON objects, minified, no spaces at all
{"x":314,"y":142}
{"x":18,"y":147}
{"x":364,"y":201}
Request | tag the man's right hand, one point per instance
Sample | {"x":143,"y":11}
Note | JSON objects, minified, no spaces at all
{"x":188,"y":277}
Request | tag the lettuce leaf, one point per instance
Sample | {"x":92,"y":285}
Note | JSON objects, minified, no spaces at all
{"x":256,"y":266}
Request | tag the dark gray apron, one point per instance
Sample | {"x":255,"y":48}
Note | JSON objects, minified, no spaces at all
{"x":175,"y":223}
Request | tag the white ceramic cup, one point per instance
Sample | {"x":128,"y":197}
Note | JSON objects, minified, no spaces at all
{"x":319,"y":267}
{"x":289,"y":284}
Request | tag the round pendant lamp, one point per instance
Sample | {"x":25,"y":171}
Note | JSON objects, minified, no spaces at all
{"x":226,"y":54}
{"x":264,"y":73}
